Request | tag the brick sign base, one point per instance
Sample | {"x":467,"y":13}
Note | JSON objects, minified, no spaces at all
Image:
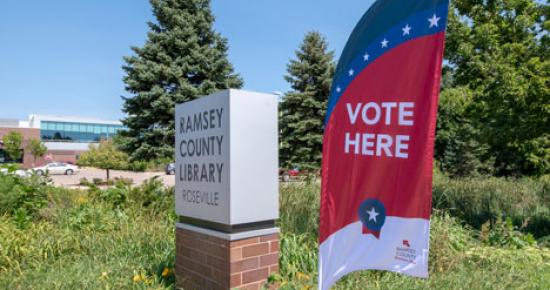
{"x":209,"y":262}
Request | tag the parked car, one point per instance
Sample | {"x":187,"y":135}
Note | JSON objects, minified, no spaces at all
{"x":170,"y":169}
{"x":56,"y":169}
{"x":18,"y":172}
{"x":287,"y":175}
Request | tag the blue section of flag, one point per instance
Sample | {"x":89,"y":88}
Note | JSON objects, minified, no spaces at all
{"x":419,"y":25}
{"x":372,"y":214}
{"x":381,"y":16}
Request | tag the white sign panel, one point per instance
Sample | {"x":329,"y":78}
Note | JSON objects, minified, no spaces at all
{"x":227,"y":158}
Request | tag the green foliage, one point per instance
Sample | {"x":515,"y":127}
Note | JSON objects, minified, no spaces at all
{"x":105,"y":156}
{"x":501,"y":256}
{"x":22,"y":198}
{"x":476,"y":201}
{"x":182,"y":59}
{"x":123,"y":238}
{"x":12,"y":144}
{"x":151,"y":195}
{"x":96,"y":240}
{"x":90,"y":240}
{"x":505,"y":234}
{"x":88,"y":247}
{"x":304,"y":108}
{"x":497,"y":54}
{"x":300,"y":208}
{"x":116,"y":195}
{"x":36,"y":148}
{"x":457,"y":145}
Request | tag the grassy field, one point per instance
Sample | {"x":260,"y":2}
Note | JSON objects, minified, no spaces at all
{"x":123,"y":238}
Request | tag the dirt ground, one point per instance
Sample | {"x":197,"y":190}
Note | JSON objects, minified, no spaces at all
{"x":72,"y":181}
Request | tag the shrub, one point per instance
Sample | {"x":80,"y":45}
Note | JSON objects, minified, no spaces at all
{"x":124,"y":181}
{"x":154,"y":195}
{"x":137,"y":166}
{"x":505,"y":234}
{"x":116,"y":195}
{"x":151,"y":195}
{"x":22,"y":196}
{"x":84,"y":182}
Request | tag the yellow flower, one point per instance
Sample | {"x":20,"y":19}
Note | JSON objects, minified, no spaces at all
{"x":302,"y":276}
{"x":137,"y":278}
{"x":165,"y":272}
{"x":103,"y":274}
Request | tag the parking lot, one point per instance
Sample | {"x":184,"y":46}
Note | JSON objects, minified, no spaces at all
{"x":73,"y":181}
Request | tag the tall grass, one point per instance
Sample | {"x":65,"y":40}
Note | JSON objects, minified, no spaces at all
{"x":82,"y":240}
{"x":459,"y":257}
{"x":477,"y":201}
{"x":123,"y":238}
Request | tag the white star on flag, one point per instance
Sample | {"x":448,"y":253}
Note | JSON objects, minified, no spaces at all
{"x":384,"y":43}
{"x":406,"y":30}
{"x":366,"y":57}
{"x":338,"y":89}
{"x":434,"y":21}
{"x":351,"y":72}
{"x":372,"y":214}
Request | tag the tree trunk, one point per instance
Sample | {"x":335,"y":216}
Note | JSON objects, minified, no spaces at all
{"x":108,"y":175}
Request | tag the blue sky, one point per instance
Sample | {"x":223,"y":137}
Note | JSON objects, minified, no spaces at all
{"x":64,"y":56}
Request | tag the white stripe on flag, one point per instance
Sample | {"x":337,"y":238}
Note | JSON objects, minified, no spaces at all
{"x":402,"y":248}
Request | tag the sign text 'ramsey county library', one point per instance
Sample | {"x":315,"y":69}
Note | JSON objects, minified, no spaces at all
{"x":208,"y":145}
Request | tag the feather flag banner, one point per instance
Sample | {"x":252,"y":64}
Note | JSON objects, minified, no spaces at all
{"x":379,"y":141}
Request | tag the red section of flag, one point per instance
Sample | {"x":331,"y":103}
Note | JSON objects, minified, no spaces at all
{"x":402,"y":185}
{"x":366,"y":231}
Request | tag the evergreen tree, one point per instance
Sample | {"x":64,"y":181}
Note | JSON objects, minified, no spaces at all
{"x":303,"y":109}
{"x":182,"y":59}
{"x":458,"y":149}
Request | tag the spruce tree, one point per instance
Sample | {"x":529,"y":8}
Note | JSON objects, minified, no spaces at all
{"x":182,"y":59}
{"x":303,"y":109}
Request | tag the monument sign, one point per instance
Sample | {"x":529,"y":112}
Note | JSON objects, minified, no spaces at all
{"x":226,"y":190}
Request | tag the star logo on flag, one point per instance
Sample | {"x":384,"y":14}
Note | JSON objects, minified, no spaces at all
{"x":384,"y":43}
{"x":373,"y":216}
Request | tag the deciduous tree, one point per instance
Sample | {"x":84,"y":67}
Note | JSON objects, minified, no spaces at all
{"x":498,"y":52}
{"x":104,"y":155}
{"x":12,"y":145}
{"x":37,"y":149}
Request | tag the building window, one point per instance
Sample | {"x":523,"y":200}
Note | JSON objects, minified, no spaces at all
{"x":77,"y":132}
